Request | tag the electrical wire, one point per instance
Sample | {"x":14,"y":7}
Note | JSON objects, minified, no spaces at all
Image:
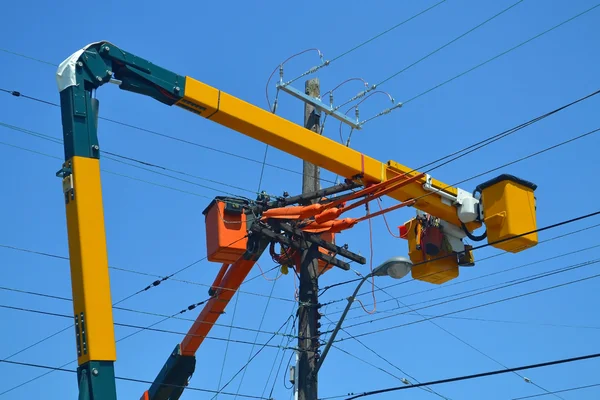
{"x":188,"y":308}
{"x":557,"y":391}
{"x":61,"y":369}
{"x":146,"y":328}
{"x":328,"y":62}
{"x":262,"y":320}
{"x":28,"y":57}
{"x":119,"y":158}
{"x":475,"y":248}
{"x":156,"y":133}
{"x":243,"y":368}
{"x":488,"y":289}
{"x":434,"y":52}
{"x":480,"y":351}
{"x":479,"y":375}
{"x":290,"y":336}
{"x":460,"y":282}
{"x":280,"y":67}
{"x":110,"y":172}
{"x":488,"y":60}
{"x":427,"y":389}
{"x":160,"y":277}
{"x":478,"y":305}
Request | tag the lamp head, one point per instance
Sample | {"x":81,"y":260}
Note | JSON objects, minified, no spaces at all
{"x":396,"y":267}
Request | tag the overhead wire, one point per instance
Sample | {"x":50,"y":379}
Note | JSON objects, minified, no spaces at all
{"x":373,"y":87}
{"x":260,"y":324}
{"x":282,"y":350}
{"x":463,"y":341}
{"x":460,"y":282}
{"x":109,"y":171}
{"x":120,"y":158}
{"x":479,"y":375}
{"x":436,"y":191}
{"x":427,"y":389}
{"x":243,"y":368}
{"x":487,"y":61}
{"x":571,"y":389}
{"x":479,"y":305}
{"x":149,"y":328}
{"x":45,"y":254}
{"x":62,"y":369}
{"x":156,"y":133}
{"x":488,"y":289}
{"x":467,"y":294}
{"x":364,"y":43}
{"x":131,"y":310}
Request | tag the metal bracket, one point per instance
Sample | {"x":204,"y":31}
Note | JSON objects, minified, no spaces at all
{"x":318,"y":104}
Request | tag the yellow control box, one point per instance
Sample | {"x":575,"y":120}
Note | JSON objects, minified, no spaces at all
{"x":444,"y":267}
{"x":509,"y":210}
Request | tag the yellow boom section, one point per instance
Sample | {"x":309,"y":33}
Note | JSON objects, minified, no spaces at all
{"x":294,"y":139}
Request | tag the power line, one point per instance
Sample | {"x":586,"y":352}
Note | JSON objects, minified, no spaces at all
{"x":29,"y":57}
{"x":125,"y":325}
{"x":427,"y":389}
{"x":480,"y":277}
{"x":480,"y":351}
{"x":328,"y":62}
{"x":120,"y":159}
{"x":24,"y":364}
{"x":479,"y":375}
{"x":487,"y":61}
{"x":160,"y":278}
{"x":260,"y":324}
{"x":486,"y":142}
{"x":252,"y":358}
{"x":482,"y":305}
{"x":557,"y":391}
{"x":489,"y":289}
{"x":547,"y":227}
{"x":131,"y":310}
{"x":429,"y":54}
{"x":289,"y":340}
{"x":109,"y":171}
{"x":156,"y":133}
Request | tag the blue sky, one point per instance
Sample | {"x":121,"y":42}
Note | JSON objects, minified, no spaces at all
{"x":155,"y":224}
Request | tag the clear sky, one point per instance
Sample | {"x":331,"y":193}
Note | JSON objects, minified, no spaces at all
{"x":155,"y":224}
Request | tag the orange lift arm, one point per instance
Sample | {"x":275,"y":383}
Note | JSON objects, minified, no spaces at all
{"x":506,"y":205}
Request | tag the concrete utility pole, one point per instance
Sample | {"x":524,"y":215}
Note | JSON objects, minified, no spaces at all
{"x":308,"y":313}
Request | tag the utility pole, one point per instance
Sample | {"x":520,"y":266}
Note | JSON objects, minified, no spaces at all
{"x":308,"y":313}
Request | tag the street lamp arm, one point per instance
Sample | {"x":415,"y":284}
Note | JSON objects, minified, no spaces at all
{"x":338,"y":326}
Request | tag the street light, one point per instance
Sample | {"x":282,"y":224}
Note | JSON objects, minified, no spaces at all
{"x":395,"y":267}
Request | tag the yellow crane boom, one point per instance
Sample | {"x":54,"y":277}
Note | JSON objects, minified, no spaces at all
{"x":506,"y":205}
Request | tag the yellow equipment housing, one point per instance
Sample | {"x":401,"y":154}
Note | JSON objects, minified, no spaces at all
{"x":509,"y":210}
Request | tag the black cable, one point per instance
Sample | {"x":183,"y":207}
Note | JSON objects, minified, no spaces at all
{"x":432,"y":53}
{"x":480,"y":305}
{"x":124,"y":325}
{"x":556,"y":225}
{"x":160,"y":277}
{"x":489,"y":289}
{"x":158,"y":133}
{"x":479,"y":375}
{"x":460,"y":282}
{"x":24,"y":364}
{"x":120,"y":159}
{"x":485,"y":62}
{"x":385,"y":360}
{"x":486,"y":142}
{"x":220,"y":391}
{"x":260,"y":324}
{"x":557,"y":391}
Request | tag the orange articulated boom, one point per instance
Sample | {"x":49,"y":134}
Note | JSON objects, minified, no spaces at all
{"x":224,"y":291}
